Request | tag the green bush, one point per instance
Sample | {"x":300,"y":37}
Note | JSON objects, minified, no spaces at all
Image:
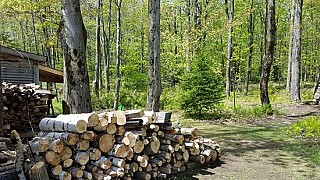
{"x":308,"y":128}
{"x":171,"y":98}
{"x":202,"y":87}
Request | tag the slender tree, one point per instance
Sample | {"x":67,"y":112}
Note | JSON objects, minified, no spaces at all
{"x":106,"y":47}
{"x":250,"y":46}
{"x":269,"y":53}
{"x":292,"y":17}
{"x":97,"y":77}
{"x":230,"y":17}
{"x":118,"y":49}
{"x":296,"y":54}
{"x":74,"y":40}
{"x":154,"y":80}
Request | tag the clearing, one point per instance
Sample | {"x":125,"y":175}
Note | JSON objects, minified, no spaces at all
{"x":259,"y":148}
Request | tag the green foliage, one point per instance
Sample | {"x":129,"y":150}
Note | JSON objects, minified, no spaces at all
{"x":308,"y":128}
{"x":251,"y":112}
{"x":171,"y":98}
{"x":202,"y":86}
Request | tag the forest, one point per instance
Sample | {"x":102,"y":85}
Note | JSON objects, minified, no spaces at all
{"x":209,"y":50}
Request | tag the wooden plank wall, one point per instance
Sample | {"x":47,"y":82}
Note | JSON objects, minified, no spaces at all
{"x":19,"y":72}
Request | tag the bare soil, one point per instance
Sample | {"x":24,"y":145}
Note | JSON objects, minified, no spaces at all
{"x":261,"y":159}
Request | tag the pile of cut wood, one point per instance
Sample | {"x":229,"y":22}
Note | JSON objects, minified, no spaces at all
{"x":6,"y":158}
{"x":133,"y":144}
{"x":23,"y":106}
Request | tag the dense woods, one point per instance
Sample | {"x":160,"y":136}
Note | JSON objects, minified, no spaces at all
{"x":199,"y":47}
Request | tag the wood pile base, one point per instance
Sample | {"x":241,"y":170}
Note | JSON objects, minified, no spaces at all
{"x":131,"y":144}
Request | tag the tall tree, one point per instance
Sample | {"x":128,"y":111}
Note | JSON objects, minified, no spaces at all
{"x":97,"y":77}
{"x":296,"y":54}
{"x":269,"y":53}
{"x":154,"y":79}
{"x":230,"y":17}
{"x":74,"y":40}
{"x":106,"y":46}
{"x":250,"y":46}
{"x":118,"y":49}
{"x":292,"y":17}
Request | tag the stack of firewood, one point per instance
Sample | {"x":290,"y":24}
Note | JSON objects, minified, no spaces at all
{"x":24,"y":106}
{"x":120,"y":144}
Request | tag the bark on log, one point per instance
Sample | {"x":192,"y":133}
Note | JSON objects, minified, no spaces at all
{"x":68,"y":138}
{"x":39,"y":172}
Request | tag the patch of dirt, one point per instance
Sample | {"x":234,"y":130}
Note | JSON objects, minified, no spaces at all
{"x":262,"y":160}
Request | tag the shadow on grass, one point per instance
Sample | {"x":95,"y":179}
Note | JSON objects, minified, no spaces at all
{"x":199,"y":170}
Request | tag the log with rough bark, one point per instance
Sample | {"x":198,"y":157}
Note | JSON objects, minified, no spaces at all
{"x":39,"y":172}
{"x":68,"y":138}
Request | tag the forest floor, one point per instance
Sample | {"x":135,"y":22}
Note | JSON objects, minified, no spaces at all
{"x":259,"y":148}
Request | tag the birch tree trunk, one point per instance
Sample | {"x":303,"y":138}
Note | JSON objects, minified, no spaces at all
{"x":250,"y":46}
{"x":74,"y":39}
{"x":296,"y":54}
{"x":269,"y":54}
{"x":118,"y":49}
{"x":188,"y":34}
{"x":106,"y":47}
{"x":292,"y":14}
{"x":230,"y":17}
{"x":96,"y":82}
{"x":154,"y":80}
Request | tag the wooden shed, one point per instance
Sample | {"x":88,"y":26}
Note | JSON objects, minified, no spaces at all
{"x":19,"y":67}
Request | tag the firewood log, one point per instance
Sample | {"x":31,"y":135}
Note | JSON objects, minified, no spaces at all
{"x":134,"y":113}
{"x":52,"y":158}
{"x":88,"y":135}
{"x":82,"y":145}
{"x":111,"y":129}
{"x":81,"y":158}
{"x":103,"y":162}
{"x":143,"y":162}
{"x":188,"y":131}
{"x":91,"y":167}
{"x":119,"y":150}
{"x":63,"y":123}
{"x":153,"y":146}
{"x":68,"y":138}
{"x":142,"y":175}
{"x":118,"y":162}
{"x":166,"y":168}
{"x":104,"y":142}
{"x":75,"y":172}
{"x":94,"y":153}
{"x":56,"y":170}
{"x":121,"y":130}
{"x":67,"y":163}
{"x":87,"y":175}
{"x":199,"y":159}
{"x":121,"y":117}
{"x":38,"y":172}
{"x":56,"y":146}
{"x":66,"y":153}
{"x":138,"y":147}
{"x":92,"y":119}
{"x":39,"y":145}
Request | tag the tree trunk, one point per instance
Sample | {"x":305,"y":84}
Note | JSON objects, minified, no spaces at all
{"x":96,"y":82}
{"x":230,"y":48}
{"x":250,"y":46}
{"x":118,"y":49}
{"x":296,"y":54}
{"x":269,"y":54}
{"x":154,"y":80}
{"x":106,"y":47}
{"x":74,"y":40}
{"x":293,"y":7}
{"x":188,"y":34}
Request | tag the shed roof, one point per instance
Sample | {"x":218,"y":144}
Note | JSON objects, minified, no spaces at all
{"x":46,"y":74}
{"x":16,"y":55}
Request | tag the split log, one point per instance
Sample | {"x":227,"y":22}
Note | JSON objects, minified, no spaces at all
{"x":88,"y":135}
{"x":103,"y":122}
{"x":56,"y":170}
{"x":39,"y":172}
{"x":134,"y":113}
{"x":111,"y":118}
{"x":143,"y":162}
{"x":56,"y":146}
{"x":153,"y":146}
{"x":121,"y":130}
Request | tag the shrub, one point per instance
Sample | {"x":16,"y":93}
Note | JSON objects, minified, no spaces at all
{"x":308,"y":128}
{"x":202,"y":87}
